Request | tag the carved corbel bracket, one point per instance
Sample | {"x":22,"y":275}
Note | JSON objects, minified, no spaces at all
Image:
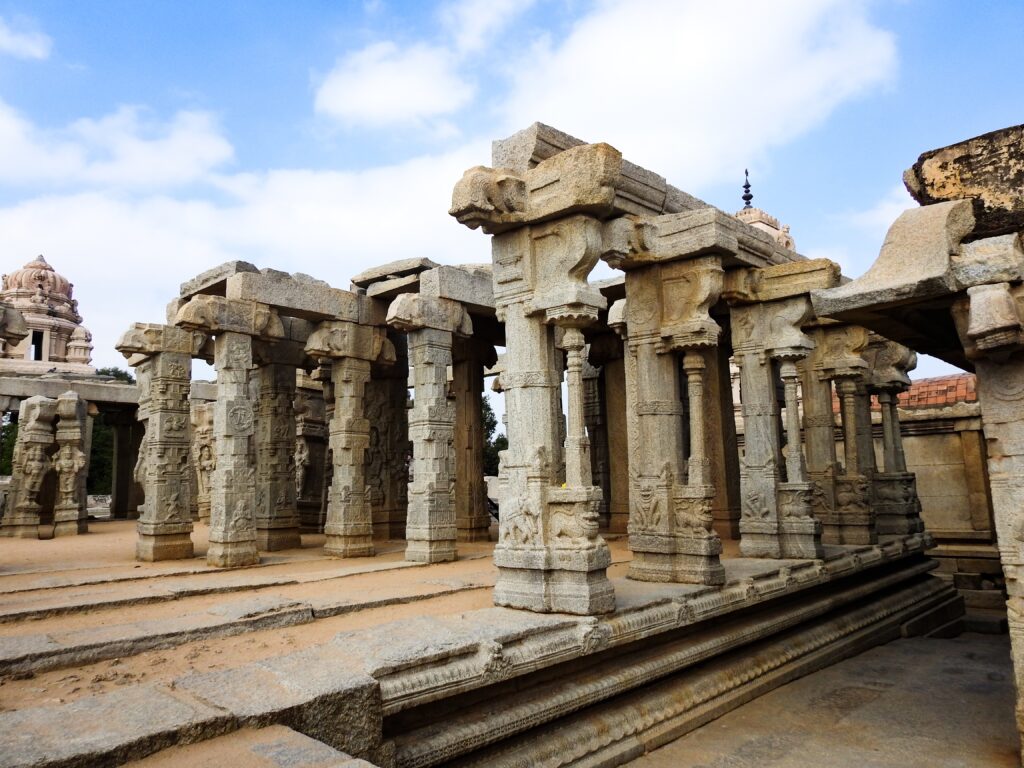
{"x":889,"y":363}
{"x":334,"y":339}
{"x":216,"y":313}
{"x":143,"y":340}
{"x":990,"y":320}
{"x":843,"y":353}
{"x":413,"y":311}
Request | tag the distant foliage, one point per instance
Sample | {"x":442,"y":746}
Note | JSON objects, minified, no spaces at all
{"x":118,"y":373}
{"x":101,"y":461}
{"x":8,"y":435}
{"x":492,"y":443}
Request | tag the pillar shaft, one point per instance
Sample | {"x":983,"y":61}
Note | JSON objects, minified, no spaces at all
{"x":430,"y":527}
{"x":349,"y":525}
{"x":233,"y":487}
{"x":277,"y":517}
{"x":472,"y":519}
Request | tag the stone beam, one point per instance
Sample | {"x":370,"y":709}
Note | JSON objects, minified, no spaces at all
{"x":214,"y":281}
{"x":470,"y":286}
{"x":988,"y":169}
{"x":293,"y":295}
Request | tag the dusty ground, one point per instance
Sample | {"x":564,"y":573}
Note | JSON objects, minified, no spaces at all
{"x":917,"y":703}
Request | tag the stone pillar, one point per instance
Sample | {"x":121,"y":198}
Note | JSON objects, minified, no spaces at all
{"x":777,"y":519}
{"x":897,"y":506}
{"x":204,"y":455}
{"x":162,"y":356}
{"x":30,"y":465}
{"x":277,"y":517}
{"x":594,"y":417}
{"x":70,"y":513}
{"x":723,"y":450}
{"x":310,"y":454}
{"x":550,"y":556}
{"x":472,"y":520}
{"x":429,"y":324}
{"x":606,"y":352}
{"x":853,"y":488}
{"x":820,"y":440}
{"x":350,"y":349}
{"x":233,"y":487}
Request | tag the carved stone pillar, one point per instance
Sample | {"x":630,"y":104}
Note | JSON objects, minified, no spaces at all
{"x":777,"y":519}
{"x":820,"y":439}
{"x":430,"y":324}
{"x":277,"y":517}
{"x":70,"y":513}
{"x":233,"y":487}
{"x":472,"y":520}
{"x":27,"y":502}
{"x":162,"y":356}
{"x":897,"y":506}
{"x":853,"y":488}
{"x":606,"y":351}
{"x":549,"y":555}
{"x":204,"y":455}
{"x":124,"y":457}
{"x":310,"y":455}
{"x":350,"y":348}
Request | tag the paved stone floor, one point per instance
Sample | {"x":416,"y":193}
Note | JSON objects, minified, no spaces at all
{"x":918,"y":703}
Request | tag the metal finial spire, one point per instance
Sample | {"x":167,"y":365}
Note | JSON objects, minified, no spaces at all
{"x":747,"y":195}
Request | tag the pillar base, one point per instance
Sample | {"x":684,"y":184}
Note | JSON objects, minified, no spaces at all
{"x":70,"y":527}
{"x":583,"y":593}
{"x":801,"y":539}
{"x":423,"y":551}
{"x":475,"y":534}
{"x":232,"y":554}
{"x":348,"y":546}
{"x":23,"y":531}
{"x":665,"y":558}
{"x":760,"y":538}
{"x":172,"y":546}
{"x":276,"y":539}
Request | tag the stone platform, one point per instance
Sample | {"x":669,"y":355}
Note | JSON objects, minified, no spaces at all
{"x":409,"y":665}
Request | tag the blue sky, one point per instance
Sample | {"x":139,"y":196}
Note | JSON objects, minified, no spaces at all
{"x":142,"y":142}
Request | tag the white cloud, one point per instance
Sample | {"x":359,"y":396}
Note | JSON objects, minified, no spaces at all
{"x":383,"y":84}
{"x":123,"y":149}
{"x":127,"y":255}
{"x":23,"y":44}
{"x":696,"y":89}
{"x":876,"y":220}
{"x":473,"y":23}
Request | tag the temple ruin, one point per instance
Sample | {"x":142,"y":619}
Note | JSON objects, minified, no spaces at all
{"x":706,"y":491}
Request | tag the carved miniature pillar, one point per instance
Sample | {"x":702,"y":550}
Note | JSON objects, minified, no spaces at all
{"x":277,"y":517}
{"x":594,"y":417}
{"x":820,"y":440}
{"x":70,"y":515}
{"x":472,"y":520}
{"x":162,"y":356}
{"x":204,"y":455}
{"x":310,"y":454}
{"x":890,"y":431}
{"x":30,"y":466}
{"x":233,"y":488}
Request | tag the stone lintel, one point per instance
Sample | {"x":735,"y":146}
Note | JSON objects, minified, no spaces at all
{"x":472,"y":288}
{"x":400,"y":268}
{"x":213,"y":281}
{"x":299,"y":297}
{"x":292,"y":353}
{"x":92,"y":391}
{"x":386,"y":290}
{"x":338,"y":338}
{"x":915,"y":264}
{"x":781,"y":281}
{"x":219,"y":314}
{"x":987,"y":168}
{"x":413,"y":311}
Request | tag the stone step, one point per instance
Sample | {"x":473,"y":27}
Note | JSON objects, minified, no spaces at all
{"x":986,"y":621}
{"x":275,"y":746}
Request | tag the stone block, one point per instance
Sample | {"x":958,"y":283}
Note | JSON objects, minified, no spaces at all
{"x":213,"y":281}
{"x":400,"y":268}
{"x":988,"y":168}
{"x":474,"y":289}
{"x":307,"y":299}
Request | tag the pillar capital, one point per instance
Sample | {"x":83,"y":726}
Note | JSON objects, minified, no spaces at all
{"x":333,"y":339}
{"x":413,"y":311}
{"x":218,"y":314}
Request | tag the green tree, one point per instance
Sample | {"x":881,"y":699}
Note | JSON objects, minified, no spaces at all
{"x":8,"y":435}
{"x":492,"y":443}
